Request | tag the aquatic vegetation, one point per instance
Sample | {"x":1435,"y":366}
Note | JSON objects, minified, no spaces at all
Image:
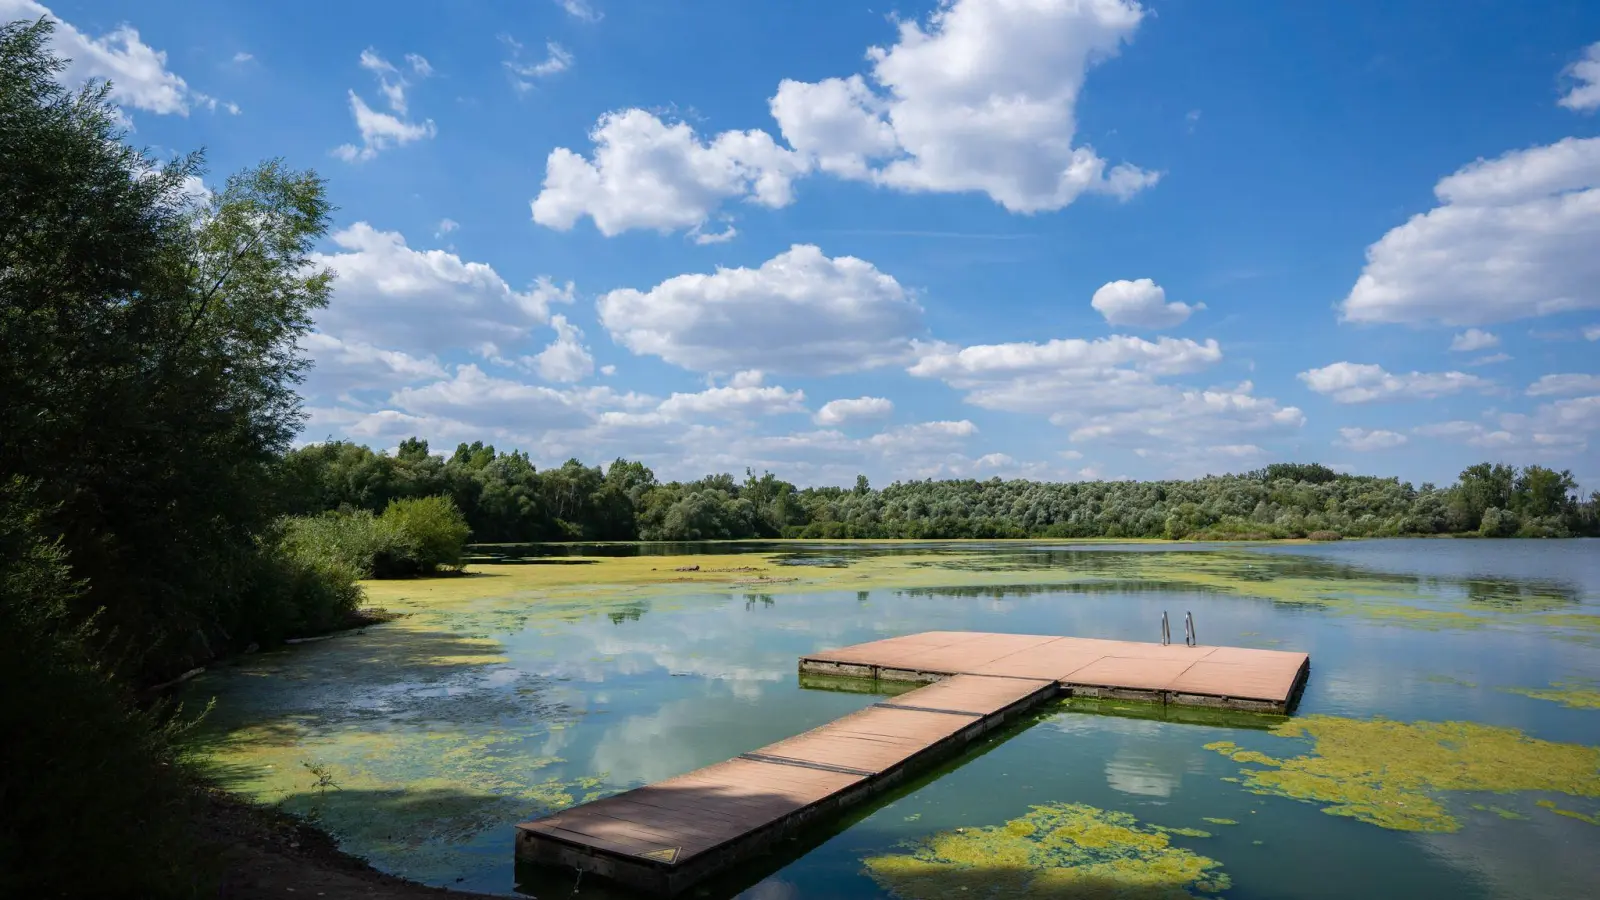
{"x":1578,"y":694}
{"x":960,"y":569}
{"x":1182,"y":832}
{"x":1220,"y":821}
{"x":1500,"y":811}
{"x":1392,"y":774}
{"x":1056,"y":850}
{"x":1571,"y":814}
{"x":439,"y":730}
{"x":407,"y":798}
{"x":1418,"y":616}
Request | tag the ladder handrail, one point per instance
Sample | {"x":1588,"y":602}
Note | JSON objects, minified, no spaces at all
{"x":1166,"y":630}
{"x":1189,"y":636}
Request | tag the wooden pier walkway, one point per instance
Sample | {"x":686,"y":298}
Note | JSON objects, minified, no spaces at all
{"x":665,"y":837}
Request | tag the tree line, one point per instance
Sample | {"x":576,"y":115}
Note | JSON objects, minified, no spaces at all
{"x":505,"y":498}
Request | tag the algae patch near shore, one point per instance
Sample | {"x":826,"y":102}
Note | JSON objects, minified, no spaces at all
{"x":1573,"y":694}
{"x":1056,"y":850}
{"x":1392,"y":774}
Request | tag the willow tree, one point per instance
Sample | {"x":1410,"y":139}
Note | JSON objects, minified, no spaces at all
{"x":148,"y":361}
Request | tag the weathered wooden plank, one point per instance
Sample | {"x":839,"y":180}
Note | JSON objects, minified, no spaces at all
{"x":666,"y":837}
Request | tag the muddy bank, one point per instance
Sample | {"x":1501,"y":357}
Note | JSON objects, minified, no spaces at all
{"x":262,"y":852}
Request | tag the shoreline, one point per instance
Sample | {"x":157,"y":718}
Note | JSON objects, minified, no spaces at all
{"x":265,"y":852}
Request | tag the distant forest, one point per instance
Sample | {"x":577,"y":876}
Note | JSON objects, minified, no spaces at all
{"x":505,"y":498}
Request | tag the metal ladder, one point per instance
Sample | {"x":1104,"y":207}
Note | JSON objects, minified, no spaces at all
{"x":1189,"y":637}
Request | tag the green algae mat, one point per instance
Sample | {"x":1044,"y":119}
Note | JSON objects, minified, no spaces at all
{"x":1446,"y":744}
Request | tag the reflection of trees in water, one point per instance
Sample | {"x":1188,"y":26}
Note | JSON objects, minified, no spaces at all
{"x":1525,"y":595}
{"x":629,"y":613}
{"x":765,"y":600}
{"x":1129,"y":569}
{"x":1166,"y":571}
{"x":1003,"y":591}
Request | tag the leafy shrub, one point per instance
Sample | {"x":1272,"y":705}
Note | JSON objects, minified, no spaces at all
{"x":80,"y":766}
{"x":1497,"y":523}
{"x":412,"y":537}
{"x":1543,"y":527}
{"x":1325,"y":536}
{"x":356,"y":542}
{"x":297,"y":586}
{"x":1234,"y":528}
{"x":434,"y":531}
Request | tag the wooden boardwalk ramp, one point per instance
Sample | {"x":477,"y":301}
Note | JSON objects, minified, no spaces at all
{"x":666,"y":837}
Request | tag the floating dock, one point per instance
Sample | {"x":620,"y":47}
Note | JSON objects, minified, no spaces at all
{"x":666,"y":837}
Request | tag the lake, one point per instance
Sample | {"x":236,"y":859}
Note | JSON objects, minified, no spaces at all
{"x":1445,"y":744}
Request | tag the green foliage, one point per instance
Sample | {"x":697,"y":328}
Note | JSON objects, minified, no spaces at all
{"x":415,"y":536}
{"x":348,"y":541}
{"x":1481,"y":488}
{"x":504,"y":498}
{"x":147,"y":359}
{"x":433,"y":529}
{"x":1497,"y":522}
{"x":1311,"y":473}
{"x":289,"y":595}
{"x":1539,"y":492}
{"x":80,"y":766}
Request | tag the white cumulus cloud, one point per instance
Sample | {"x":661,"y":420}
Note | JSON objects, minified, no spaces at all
{"x":981,"y":98}
{"x":1348,"y":382}
{"x":1108,"y":389}
{"x":1473,"y":339}
{"x":1187,"y":417}
{"x":342,"y":365}
{"x":1584,"y":95}
{"x":923,"y":434}
{"x":390,"y":295}
{"x":1140,"y":304}
{"x":838,"y":412}
{"x":1364,"y":440}
{"x":1067,"y":379}
{"x":969,"y":365}
{"x":1565,"y":384}
{"x":138,"y":72}
{"x":1512,"y":238}
{"x":566,"y":358}
{"x":1552,"y":431}
{"x":734,"y":400}
{"x":649,"y":174}
{"x":474,"y":398}
{"x":798,"y":312}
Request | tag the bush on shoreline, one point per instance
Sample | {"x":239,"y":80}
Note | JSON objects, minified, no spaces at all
{"x":418,"y":536}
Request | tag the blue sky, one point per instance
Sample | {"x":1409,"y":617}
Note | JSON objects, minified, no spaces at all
{"x":1037,"y":238}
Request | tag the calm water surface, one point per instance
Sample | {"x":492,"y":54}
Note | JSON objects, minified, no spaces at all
{"x":421,"y":743}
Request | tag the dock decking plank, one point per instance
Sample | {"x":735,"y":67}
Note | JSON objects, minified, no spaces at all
{"x":667,"y":836}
